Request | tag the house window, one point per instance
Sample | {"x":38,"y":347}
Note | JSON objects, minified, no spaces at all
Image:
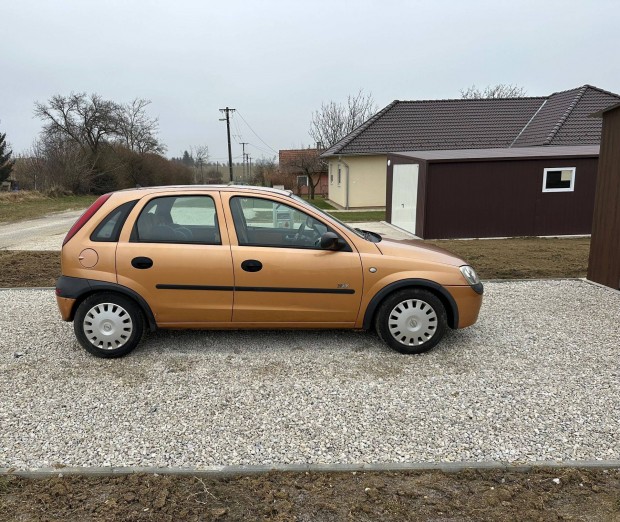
{"x":302,"y":181}
{"x":339,"y":175}
{"x":331,"y":174}
{"x":561,"y":179}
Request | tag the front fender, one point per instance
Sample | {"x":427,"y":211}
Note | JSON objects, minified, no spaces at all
{"x":452,"y":310}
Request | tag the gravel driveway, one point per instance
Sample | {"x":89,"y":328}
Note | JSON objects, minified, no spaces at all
{"x":45,"y":233}
{"x":538,"y":378}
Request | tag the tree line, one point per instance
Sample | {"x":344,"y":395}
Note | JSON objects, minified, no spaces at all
{"x":89,"y":144}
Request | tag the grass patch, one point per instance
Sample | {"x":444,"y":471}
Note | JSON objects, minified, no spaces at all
{"x":361,"y":216}
{"x":17,"y":206}
{"x":319,"y":202}
{"x":522,"y":258}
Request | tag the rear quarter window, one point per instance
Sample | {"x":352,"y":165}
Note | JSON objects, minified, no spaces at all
{"x":109,"y":229}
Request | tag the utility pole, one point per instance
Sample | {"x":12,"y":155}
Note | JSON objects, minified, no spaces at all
{"x":243,"y":144}
{"x":227,"y":119}
{"x":249,"y":166}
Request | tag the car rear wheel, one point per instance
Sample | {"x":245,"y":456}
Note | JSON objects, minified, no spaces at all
{"x":108,"y":325}
{"x":411,"y":321}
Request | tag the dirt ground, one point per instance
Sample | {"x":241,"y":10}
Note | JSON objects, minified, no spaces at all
{"x":492,"y":258}
{"x":560,"y":494}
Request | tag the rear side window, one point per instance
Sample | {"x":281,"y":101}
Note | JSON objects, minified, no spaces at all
{"x":110,"y":227}
{"x":178,"y":219}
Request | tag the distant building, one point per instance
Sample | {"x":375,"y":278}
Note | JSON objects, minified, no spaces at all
{"x":358,"y":164}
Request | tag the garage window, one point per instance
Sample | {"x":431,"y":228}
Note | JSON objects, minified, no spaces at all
{"x":561,"y":179}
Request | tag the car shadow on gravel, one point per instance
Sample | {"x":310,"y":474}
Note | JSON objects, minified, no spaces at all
{"x":260,"y":342}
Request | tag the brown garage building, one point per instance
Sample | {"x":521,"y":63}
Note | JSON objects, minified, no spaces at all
{"x":525,"y":191}
{"x":604,"y":264}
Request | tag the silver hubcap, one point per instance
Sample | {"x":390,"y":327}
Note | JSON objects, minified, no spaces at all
{"x":413,"y":322}
{"x":108,"y":326}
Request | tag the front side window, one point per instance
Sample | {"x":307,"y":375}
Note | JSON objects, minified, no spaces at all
{"x":178,"y":219}
{"x":339,"y":175}
{"x":264,"y":222}
{"x":559,"y":179}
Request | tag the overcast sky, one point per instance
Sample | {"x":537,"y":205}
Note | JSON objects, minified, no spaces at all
{"x":277,"y":61}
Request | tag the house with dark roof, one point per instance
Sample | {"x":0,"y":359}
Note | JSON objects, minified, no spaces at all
{"x":358,"y":164}
{"x":305,"y":170}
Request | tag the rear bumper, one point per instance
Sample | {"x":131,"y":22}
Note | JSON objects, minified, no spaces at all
{"x":65,"y":305}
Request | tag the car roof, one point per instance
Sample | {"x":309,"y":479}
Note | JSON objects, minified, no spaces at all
{"x":226,"y":188}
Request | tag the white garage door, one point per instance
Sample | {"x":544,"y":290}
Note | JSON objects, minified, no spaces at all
{"x":405,"y":196}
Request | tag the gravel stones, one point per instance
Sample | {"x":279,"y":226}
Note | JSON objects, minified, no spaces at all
{"x":536,"y":379}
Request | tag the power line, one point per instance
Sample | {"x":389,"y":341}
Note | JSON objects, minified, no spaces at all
{"x":261,"y":139}
{"x":261,"y":149}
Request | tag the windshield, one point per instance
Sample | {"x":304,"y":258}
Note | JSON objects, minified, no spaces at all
{"x":356,"y":231}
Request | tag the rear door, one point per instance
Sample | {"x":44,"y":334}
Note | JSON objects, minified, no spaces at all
{"x":282,"y":276}
{"x":175,"y":253}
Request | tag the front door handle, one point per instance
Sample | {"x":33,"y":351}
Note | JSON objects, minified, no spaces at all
{"x":251,"y":265}
{"x":142,"y":263}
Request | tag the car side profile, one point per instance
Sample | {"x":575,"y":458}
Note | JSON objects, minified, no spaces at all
{"x":240,"y":257}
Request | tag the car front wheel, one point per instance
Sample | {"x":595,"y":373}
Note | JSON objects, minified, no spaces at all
{"x":108,"y":325}
{"x":411,"y":321}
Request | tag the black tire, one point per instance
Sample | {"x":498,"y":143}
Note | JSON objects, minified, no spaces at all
{"x":411,"y":321}
{"x":108,"y":325}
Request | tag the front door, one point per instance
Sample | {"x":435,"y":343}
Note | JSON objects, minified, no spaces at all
{"x":405,"y":196}
{"x":281,"y":273}
{"x":178,"y":259}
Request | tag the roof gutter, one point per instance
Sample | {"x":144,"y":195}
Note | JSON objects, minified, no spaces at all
{"x":346,"y":183}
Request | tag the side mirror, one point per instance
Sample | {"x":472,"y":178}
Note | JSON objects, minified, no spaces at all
{"x":330,"y":241}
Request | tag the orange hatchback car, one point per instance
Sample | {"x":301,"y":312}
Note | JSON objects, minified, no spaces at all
{"x":232,"y":257}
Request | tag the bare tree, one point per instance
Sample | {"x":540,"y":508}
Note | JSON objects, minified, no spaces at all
{"x":56,"y":163}
{"x":200,"y":155}
{"x":501,"y":90}
{"x":266,"y":173}
{"x":136,"y":129}
{"x":86,"y":120}
{"x":333,"y":121}
{"x":306,"y":162}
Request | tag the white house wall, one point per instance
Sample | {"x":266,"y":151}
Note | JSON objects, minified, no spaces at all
{"x":367,"y":181}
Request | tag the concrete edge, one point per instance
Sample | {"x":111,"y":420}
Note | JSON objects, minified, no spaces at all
{"x":604,"y":287}
{"x":222,"y":471}
{"x":28,"y":288}
{"x":398,"y":229}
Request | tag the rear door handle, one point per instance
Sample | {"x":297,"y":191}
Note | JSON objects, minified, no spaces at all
{"x":142,"y":263}
{"x":251,"y":265}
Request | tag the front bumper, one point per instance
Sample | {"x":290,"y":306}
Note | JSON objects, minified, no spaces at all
{"x":468,"y":301}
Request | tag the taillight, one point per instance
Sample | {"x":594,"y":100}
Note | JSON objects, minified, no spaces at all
{"x":90,"y":212}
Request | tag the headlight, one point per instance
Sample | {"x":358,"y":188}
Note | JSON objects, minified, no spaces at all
{"x":470,"y":275}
